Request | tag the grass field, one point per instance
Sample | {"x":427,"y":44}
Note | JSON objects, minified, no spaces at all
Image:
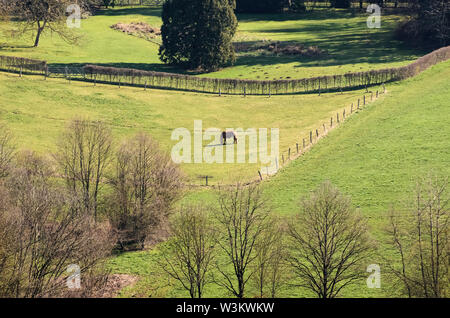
{"x":38,"y":110}
{"x":376,"y":156}
{"x":351,"y":46}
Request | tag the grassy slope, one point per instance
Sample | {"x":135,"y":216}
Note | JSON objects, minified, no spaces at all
{"x":37,"y":111}
{"x":374,"y":157}
{"x":351,"y":45}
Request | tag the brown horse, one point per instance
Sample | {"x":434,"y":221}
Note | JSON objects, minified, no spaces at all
{"x":227,"y":134}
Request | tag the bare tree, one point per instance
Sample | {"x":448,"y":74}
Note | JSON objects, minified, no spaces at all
{"x":145,"y":185}
{"x":187,"y":256}
{"x":84,"y":152}
{"x":40,"y":15}
{"x":241,"y":219}
{"x":42,"y":232}
{"x":329,"y":242}
{"x":6,"y":150}
{"x":269,"y":265}
{"x":420,"y":239}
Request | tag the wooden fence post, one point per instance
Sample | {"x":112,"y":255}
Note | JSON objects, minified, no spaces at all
{"x":331,"y":122}
{"x":304,"y":143}
{"x":351,"y":109}
{"x":245,"y":92}
{"x":337,"y":118}
{"x":289,"y":154}
{"x":364,"y":100}
{"x":260,"y":175}
{"x":377,"y":94}
{"x":282,"y":157}
{"x":324,"y":128}
{"x":310,"y":137}
{"x":297,"y":146}
{"x":343,"y":115}
{"x":358,"y":102}
{"x":317,"y":133}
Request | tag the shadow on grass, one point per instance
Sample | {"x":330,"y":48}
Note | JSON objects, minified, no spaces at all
{"x":156,"y":67}
{"x":146,"y":11}
{"x":346,"y":41}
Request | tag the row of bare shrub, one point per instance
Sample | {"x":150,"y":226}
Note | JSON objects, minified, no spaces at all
{"x":255,"y":87}
{"x":129,"y":76}
{"x":20,"y":64}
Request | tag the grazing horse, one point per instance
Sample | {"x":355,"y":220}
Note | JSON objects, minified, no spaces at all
{"x":227,"y":134}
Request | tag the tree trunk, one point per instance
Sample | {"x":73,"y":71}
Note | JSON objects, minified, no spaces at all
{"x":38,"y":34}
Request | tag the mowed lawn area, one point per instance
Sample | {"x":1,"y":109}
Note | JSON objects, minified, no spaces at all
{"x":38,"y":110}
{"x":375,"y":157}
{"x":349,"y":45}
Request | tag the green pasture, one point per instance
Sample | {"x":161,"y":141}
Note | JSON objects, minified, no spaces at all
{"x":376,"y":157}
{"x":349,"y":44}
{"x":37,"y":111}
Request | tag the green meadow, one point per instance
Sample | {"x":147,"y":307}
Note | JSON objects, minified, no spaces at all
{"x":38,"y":110}
{"x":375,"y":155}
{"x":350,"y":46}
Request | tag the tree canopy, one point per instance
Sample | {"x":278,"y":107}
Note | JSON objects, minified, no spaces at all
{"x":197,"y":34}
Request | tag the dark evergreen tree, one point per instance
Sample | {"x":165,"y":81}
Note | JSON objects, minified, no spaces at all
{"x":429,"y":25}
{"x":197,"y":34}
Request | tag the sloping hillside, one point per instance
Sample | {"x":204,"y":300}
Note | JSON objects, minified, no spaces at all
{"x":378,"y":153}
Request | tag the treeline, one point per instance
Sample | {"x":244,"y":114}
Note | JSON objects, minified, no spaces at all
{"x":71,"y":209}
{"x":267,"y":6}
{"x":239,"y":243}
{"x":274,"y":6}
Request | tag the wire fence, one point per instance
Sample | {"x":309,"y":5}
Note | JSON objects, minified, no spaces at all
{"x":303,"y":145}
